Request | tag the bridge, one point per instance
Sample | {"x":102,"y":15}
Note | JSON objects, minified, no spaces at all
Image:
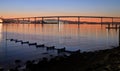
{"x":57,"y":18}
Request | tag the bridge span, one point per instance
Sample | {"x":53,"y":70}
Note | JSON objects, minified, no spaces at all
{"x":58,"y":18}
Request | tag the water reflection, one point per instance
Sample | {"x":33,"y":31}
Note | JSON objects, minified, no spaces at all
{"x":0,"y":32}
{"x":71,"y":36}
{"x":86,"y":37}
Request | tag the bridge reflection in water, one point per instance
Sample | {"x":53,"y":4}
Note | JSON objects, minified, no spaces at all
{"x":63,"y":35}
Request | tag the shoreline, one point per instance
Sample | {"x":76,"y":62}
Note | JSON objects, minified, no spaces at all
{"x":101,"y":60}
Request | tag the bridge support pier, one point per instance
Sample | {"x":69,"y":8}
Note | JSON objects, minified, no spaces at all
{"x":101,"y":20}
{"x":28,"y":19}
{"x":17,"y":20}
{"x":108,"y":25}
{"x":23,"y":20}
{"x":78,"y":20}
{"x":58,"y":20}
{"x":42,"y":20}
{"x":112,"y":21}
{"x":35,"y":20}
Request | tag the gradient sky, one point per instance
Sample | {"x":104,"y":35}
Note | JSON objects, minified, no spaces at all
{"x":23,"y":8}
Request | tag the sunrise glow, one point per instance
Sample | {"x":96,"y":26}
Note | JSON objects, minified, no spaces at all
{"x":28,"y":8}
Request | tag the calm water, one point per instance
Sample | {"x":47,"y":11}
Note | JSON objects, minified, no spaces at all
{"x":86,"y":37}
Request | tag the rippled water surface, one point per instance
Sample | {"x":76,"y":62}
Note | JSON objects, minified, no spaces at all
{"x":86,"y":37}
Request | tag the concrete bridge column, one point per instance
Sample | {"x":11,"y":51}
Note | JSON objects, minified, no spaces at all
{"x":17,"y":20}
{"x":35,"y":20}
{"x":42,"y":20}
{"x":78,"y":20}
{"x":58,"y":20}
{"x":28,"y":19}
{"x":101,"y":20}
{"x":23,"y":19}
{"x":112,"y":20}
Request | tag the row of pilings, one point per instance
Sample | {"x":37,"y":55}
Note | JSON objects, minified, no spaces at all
{"x":48,"y":48}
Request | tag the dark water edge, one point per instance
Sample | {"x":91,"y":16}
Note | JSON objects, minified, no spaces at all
{"x":102,"y":60}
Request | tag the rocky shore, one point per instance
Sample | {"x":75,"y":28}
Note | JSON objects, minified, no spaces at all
{"x":102,"y":60}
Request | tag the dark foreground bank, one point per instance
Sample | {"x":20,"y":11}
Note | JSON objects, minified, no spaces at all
{"x":103,"y":60}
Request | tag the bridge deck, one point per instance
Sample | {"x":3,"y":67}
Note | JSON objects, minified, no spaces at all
{"x":66,"y":17}
{"x":58,"y":18}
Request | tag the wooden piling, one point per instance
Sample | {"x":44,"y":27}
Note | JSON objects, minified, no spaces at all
{"x":41,"y":45}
